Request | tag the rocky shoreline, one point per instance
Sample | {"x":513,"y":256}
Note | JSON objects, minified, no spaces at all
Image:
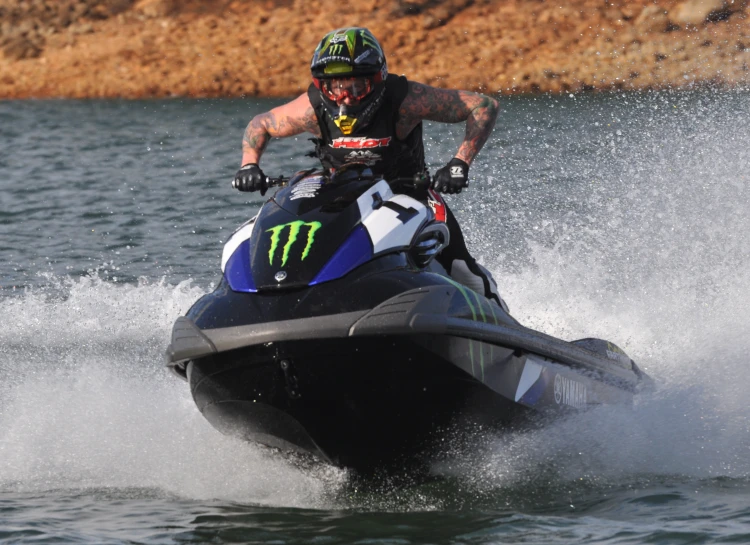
{"x":231,"y":48}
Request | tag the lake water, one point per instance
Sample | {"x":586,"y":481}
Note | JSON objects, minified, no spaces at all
{"x":622,"y":216}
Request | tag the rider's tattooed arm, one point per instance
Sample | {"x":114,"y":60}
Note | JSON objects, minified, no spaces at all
{"x":288,"y":119}
{"x":450,"y":106}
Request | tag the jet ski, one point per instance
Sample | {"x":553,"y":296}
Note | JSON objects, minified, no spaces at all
{"x":335,"y":333}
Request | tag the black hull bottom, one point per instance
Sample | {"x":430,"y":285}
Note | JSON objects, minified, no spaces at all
{"x":365,"y":404}
{"x":380,"y":388}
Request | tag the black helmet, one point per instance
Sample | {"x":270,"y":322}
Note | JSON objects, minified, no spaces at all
{"x":348,"y":52}
{"x":352,"y":55}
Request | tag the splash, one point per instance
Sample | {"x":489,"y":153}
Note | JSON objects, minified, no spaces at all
{"x":647,"y":245}
{"x":88,"y":402}
{"x":621,"y":217}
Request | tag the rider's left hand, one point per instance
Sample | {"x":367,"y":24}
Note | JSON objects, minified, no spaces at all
{"x":452,"y":178}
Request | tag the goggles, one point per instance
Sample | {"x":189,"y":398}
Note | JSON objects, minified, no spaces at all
{"x":339,"y":89}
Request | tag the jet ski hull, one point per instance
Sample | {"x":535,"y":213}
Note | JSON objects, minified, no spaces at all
{"x":380,"y":388}
{"x":365,"y":404}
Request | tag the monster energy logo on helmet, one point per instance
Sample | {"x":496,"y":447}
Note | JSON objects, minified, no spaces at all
{"x":294,"y":229}
{"x":347,"y":52}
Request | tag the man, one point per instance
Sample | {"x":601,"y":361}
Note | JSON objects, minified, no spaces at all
{"x":360,"y":113}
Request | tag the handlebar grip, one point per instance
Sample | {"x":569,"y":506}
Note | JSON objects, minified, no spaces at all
{"x":276,"y":182}
{"x":422,"y":181}
{"x":418,"y":181}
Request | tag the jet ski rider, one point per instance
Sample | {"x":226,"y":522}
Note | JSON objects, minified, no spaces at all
{"x":360,"y":113}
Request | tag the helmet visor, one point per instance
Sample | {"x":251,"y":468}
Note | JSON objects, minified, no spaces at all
{"x":339,"y":89}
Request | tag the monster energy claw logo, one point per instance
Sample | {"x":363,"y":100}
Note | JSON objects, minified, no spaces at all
{"x":335,"y":49}
{"x":367,"y":39}
{"x":294,"y":229}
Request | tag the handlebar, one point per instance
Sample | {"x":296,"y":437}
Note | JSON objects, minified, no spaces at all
{"x":421,"y":180}
{"x":281,"y":181}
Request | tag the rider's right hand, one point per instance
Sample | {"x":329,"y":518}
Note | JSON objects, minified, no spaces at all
{"x":250,"y":178}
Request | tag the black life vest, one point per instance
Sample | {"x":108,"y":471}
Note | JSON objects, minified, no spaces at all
{"x":375,"y":143}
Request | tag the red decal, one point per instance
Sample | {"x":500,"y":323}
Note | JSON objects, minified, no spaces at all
{"x":360,"y":142}
{"x":436,"y":203}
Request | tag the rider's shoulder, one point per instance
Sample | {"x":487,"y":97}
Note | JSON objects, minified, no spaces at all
{"x":417,"y":86}
{"x":417,"y":89}
{"x":303,"y":99}
{"x":300,"y":105}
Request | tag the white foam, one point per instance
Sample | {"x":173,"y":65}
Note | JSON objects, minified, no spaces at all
{"x":88,"y":402}
{"x":657,"y":260}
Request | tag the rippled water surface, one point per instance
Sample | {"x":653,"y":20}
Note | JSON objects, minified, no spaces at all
{"x":615,"y":216}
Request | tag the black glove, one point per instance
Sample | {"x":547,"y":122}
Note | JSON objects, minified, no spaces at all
{"x":250,"y":178}
{"x":452,"y":178}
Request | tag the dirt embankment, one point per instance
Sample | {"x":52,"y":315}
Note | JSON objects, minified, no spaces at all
{"x":159,"y":48}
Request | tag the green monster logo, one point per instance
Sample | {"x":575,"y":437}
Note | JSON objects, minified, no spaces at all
{"x":294,"y":229}
{"x":335,"y":49}
{"x":333,"y":44}
{"x":367,"y":40}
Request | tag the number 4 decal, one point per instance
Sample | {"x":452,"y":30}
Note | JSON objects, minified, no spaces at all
{"x":404,"y":214}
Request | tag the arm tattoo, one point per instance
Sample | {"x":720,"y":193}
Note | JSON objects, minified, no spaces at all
{"x":423,"y":102}
{"x":256,"y":136}
{"x":274,"y":124}
{"x":478,"y":128}
{"x":281,"y":125}
{"x":450,"y":106}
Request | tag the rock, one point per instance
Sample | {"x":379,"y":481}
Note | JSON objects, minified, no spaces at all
{"x":63,"y":20}
{"x":629,"y":11}
{"x":614,"y":14}
{"x":82,"y":28}
{"x":695,"y":12}
{"x":190,"y":47}
{"x":21,"y":48}
{"x":26,"y":27}
{"x":429,"y":22}
{"x":78,"y":10}
{"x":116,"y":7}
{"x":401,"y":8}
{"x":156,"y":8}
{"x":99,"y":12}
{"x":653,"y":19}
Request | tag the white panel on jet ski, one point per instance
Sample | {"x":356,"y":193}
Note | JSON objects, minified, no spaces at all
{"x":389,"y":228}
{"x":531,"y":373}
{"x":237,"y":238}
{"x":366,"y":200}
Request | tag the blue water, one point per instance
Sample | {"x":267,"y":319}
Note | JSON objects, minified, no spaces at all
{"x":621,"y":216}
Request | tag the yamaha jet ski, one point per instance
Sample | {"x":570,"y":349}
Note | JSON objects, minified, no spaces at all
{"x":334,"y":332}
